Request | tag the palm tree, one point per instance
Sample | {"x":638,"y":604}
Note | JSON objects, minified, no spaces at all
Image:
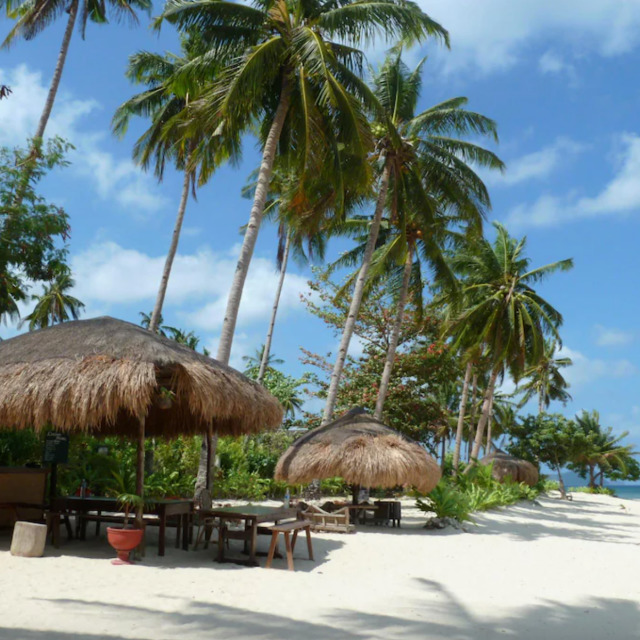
{"x":300,"y":85}
{"x":505,"y":316}
{"x":420,"y":157}
{"x":254,"y":361}
{"x":33,"y":16}
{"x":55,"y":304}
{"x":545,"y":379}
{"x":602,"y":448}
{"x":163,"y":100}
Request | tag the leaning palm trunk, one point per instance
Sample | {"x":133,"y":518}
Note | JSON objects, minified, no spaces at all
{"x":358,"y":294}
{"x":541,"y":400}
{"x":48,"y":105}
{"x":472,"y":418}
{"x":561,"y":485}
{"x":487,"y":450}
{"x":251,"y":233}
{"x":460,"y":425}
{"x":395,"y":337}
{"x":57,"y":74}
{"x":274,"y":313}
{"x":175,"y":238}
{"x":208,"y":449}
{"x":484,"y":418}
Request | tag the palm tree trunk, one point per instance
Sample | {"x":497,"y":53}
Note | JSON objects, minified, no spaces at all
{"x":173,"y":247}
{"x":561,"y":486}
{"x":358,"y":294}
{"x":208,"y":449}
{"x":57,"y":73}
{"x":487,"y":450}
{"x":592,"y":478}
{"x":274,"y":313}
{"x":484,"y":418}
{"x":255,"y":219}
{"x":48,"y":104}
{"x":472,"y":418}
{"x":395,"y":336}
{"x":443,"y":452}
{"x":460,"y":425}
{"x":541,"y":401}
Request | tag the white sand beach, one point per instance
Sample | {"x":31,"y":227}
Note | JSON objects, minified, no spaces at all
{"x":557,"y":569}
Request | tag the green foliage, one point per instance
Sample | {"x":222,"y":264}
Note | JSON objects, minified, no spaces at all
{"x":286,"y":389}
{"x":20,"y":447}
{"x":546,"y":485}
{"x":447,"y":501}
{"x":31,"y":229}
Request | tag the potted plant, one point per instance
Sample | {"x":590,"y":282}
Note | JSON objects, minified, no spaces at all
{"x":165,"y":398}
{"x":125,"y":539}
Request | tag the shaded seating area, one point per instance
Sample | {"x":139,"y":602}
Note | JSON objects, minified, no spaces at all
{"x":508,"y":467}
{"x":109,"y":377}
{"x":365,"y":453}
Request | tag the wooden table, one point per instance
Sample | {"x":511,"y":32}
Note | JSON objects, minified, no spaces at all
{"x":252,"y":516}
{"x":162,"y":507}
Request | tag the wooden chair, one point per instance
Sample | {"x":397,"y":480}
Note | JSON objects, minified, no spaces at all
{"x":205,"y":523}
{"x":332,"y":522}
{"x":286,"y":528}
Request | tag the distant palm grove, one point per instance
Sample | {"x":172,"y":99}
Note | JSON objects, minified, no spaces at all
{"x":448,"y":316}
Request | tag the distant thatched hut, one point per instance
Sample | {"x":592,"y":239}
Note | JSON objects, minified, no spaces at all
{"x":110,"y":377}
{"x":362,"y":451}
{"x":506,"y":466}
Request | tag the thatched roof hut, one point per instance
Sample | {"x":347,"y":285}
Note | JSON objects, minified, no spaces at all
{"x":363,"y":451}
{"x":105,"y":376}
{"x":506,"y":466}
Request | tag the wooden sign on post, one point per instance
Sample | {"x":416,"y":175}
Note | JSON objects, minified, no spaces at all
{"x":56,"y":451}
{"x":56,"y":448}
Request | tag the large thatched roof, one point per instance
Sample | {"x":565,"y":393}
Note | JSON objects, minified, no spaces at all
{"x":363,"y":451}
{"x":103,"y":375}
{"x":506,"y":466}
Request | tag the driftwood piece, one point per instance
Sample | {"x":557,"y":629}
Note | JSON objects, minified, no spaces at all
{"x":28,"y":539}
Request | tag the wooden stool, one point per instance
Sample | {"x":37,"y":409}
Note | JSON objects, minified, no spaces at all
{"x":286,"y":529}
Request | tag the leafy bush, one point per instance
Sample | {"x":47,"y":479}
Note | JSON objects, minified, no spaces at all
{"x":447,"y":501}
{"x":545,"y":485}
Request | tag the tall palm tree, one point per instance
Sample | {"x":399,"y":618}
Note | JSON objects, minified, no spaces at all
{"x":165,"y":98}
{"x":295,"y":70}
{"x":545,"y":380}
{"x":254,"y":361}
{"x":55,"y":304}
{"x":505,"y":316}
{"x":33,"y":16}
{"x":421,"y":154}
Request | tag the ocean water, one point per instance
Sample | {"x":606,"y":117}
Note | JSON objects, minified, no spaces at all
{"x":628,"y":492}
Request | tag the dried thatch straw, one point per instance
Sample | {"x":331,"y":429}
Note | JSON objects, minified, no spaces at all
{"x":506,"y":466}
{"x":362,"y":451}
{"x":103,"y":375}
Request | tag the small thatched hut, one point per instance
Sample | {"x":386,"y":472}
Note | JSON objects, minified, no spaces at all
{"x":506,"y":466}
{"x":363,"y":451}
{"x":110,"y":377}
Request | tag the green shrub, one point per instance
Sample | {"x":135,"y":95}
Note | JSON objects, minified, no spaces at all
{"x":446,"y":501}
{"x":605,"y":491}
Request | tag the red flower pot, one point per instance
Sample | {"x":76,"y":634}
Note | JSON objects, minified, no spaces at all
{"x":124,"y":541}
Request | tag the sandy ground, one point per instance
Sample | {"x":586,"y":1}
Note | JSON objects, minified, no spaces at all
{"x":553,"y":570}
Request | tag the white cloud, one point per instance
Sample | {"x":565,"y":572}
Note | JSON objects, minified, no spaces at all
{"x":586,"y":370}
{"x":621,"y":195}
{"x":109,"y":274}
{"x":493,"y":35}
{"x":538,"y":164}
{"x":114,"y":178}
{"x":611,"y":337}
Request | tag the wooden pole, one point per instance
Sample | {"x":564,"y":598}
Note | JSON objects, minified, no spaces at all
{"x":140,"y":470}
{"x":209,"y":452}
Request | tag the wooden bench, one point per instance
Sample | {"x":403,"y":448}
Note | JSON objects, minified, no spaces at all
{"x":331,"y":522}
{"x":286,"y":528}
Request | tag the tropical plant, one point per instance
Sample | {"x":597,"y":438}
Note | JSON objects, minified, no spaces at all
{"x":303,"y":88}
{"x":447,"y":501}
{"x":31,"y":231}
{"x":254,"y":361}
{"x":166,"y":96}
{"x":55,"y":304}
{"x":33,"y":16}
{"x":424,"y":169}
{"x":545,"y":380}
{"x":505,"y":316}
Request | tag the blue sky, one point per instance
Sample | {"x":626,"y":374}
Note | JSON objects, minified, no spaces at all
{"x":560,"y":78}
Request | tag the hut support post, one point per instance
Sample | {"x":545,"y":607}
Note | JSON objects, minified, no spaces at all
{"x":140,"y":471}
{"x":209,"y":454}
{"x":355,"y":492}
